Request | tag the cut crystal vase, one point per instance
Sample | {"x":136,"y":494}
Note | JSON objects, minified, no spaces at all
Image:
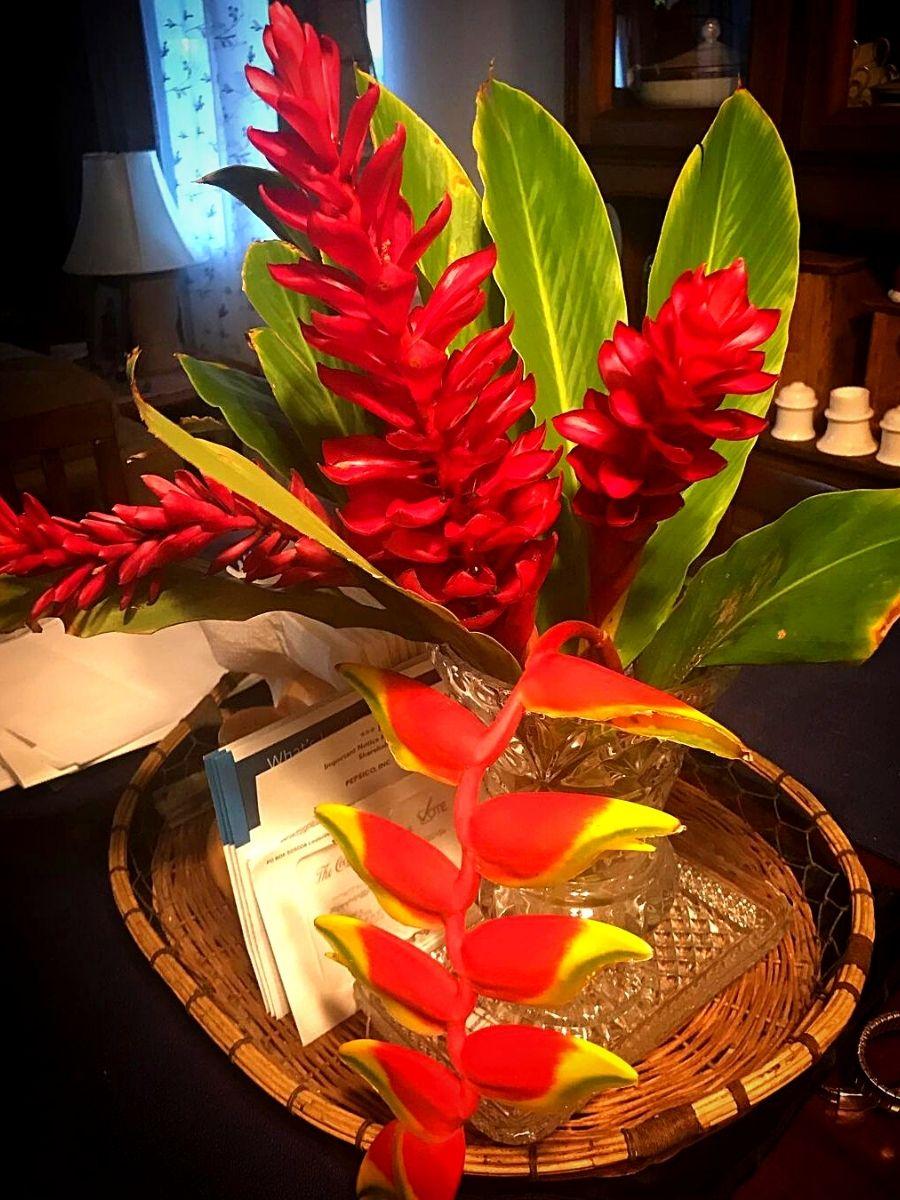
{"x":703,"y":929}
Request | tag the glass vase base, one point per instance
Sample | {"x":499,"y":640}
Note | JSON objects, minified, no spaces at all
{"x":714,"y":931}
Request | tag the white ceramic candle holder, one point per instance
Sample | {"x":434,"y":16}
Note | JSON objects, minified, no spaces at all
{"x":889,"y":450}
{"x":795,"y":408}
{"x":849,"y":433}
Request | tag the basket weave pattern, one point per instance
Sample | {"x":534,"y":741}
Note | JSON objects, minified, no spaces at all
{"x":759,"y":1033}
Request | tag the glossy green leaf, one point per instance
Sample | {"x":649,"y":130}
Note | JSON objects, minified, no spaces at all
{"x":423,"y":620}
{"x":192,"y":596}
{"x":735,"y":198}
{"x":430,"y":169}
{"x":248,"y":405}
{"x":821,"y":583}
{"x":312,"y":411}
{"x":288,"y":362}
{"x":564,"y":593}
{"x":557,"y":264}
{"x":243,"y":183}
{"x":280,"y":308}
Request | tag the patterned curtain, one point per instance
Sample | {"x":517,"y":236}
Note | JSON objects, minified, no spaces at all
{"x":196,"y":51}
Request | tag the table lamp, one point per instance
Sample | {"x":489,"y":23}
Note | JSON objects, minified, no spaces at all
{"x":127,"y":232}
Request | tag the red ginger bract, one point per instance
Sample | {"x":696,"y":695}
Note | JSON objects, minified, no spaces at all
{"x":445,"y":500}
{"x":127,"y":551}
{"x":641,"y":444}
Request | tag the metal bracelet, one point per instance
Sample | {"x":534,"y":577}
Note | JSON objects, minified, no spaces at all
{"x":889,"y":1022}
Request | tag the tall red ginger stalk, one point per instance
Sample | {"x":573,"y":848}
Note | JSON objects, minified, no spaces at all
{"x":446,"y":501}
{"x":650,"y":435}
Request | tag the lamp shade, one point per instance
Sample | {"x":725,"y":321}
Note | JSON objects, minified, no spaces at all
{"x":127,"y":224}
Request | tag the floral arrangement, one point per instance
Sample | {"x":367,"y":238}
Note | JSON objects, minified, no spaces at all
{"x":478,"y":477}
{"x":519,"y":839}
{"x":461,"y":440}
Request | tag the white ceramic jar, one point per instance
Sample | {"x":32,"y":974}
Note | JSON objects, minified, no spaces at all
{"x":889,"y":450}
{"x":849,"y":433}
{"x":795,"y":408}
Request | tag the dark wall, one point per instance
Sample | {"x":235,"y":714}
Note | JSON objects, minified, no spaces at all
{"x":74,"y":79}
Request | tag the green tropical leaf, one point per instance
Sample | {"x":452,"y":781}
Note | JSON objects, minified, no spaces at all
{"x":735,"y":198}
{"x":244,"y":182}
{"x":430,"y":169}
{"x":820,"y":584}
{"x":564,"y":594}
{"x":313,"y":412}
{"x":289,"y":364}
{"x":557,"y":264}
{"x":192,"y":596}
{"x":252,"y":411}
{"x":423,"y":620}
{"x":280,"y":308}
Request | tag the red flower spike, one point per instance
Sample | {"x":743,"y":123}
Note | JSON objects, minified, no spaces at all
{"x":412,"y":880}
{"x":413,"y":987}
{"x":426,"y":731}
{"x":640,"y":445}
{"x":535,"y":839}
{"x":540,"y":1069}
{"x":427,"y":1098}
{"x":560,"y":685}
{"x":447,"y":417}
{"x":129,"y":549}
{"x":543,"y":958}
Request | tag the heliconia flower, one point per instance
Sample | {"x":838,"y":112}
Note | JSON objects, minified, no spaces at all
{"x":376,"y":1178}
{"x":561,"y":685}
{"x":426,"y":1097}
{"x":429,"y":1170}
{"x":412,"y":880}
{"x":445,"y":498}
{"x":535,"y":839}
{"x":426,"y":731}
{"x":129,"y":549}
{"x":543,"y":958}
{"x":413,"y":987}
{"x":540,"y":1069}
{"x":650,"y":435}
{"x":400,"y":1166}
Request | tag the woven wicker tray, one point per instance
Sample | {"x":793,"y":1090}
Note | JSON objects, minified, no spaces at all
{"x":759,"y":1033}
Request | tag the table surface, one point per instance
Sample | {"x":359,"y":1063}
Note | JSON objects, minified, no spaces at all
{"x":130,"y":1097}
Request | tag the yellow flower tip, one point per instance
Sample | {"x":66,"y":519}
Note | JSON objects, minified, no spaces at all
{"x":597,"y":1063}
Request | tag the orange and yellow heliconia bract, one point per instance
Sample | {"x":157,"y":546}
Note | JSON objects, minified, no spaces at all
{"x":411,"y":879}
{"x":541,"y":958}
{"x":535,"y":839}
{"x":427,"y":731}
{"x":540,"y":1069}
{"x":415,"y":989}
{"x":425,"y":1096}
{"x":400,"y":1166}
{"x":560,"y":685}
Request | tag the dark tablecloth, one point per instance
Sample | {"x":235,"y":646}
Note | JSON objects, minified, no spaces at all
{"x":123,"y":1095}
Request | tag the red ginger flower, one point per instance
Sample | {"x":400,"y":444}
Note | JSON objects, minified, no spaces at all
{"x":130,"y":548}
{"x":444,"y":500}
{"x":641,"y":444}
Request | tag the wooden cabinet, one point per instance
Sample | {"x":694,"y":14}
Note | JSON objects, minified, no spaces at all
{"x":797,"y":55}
